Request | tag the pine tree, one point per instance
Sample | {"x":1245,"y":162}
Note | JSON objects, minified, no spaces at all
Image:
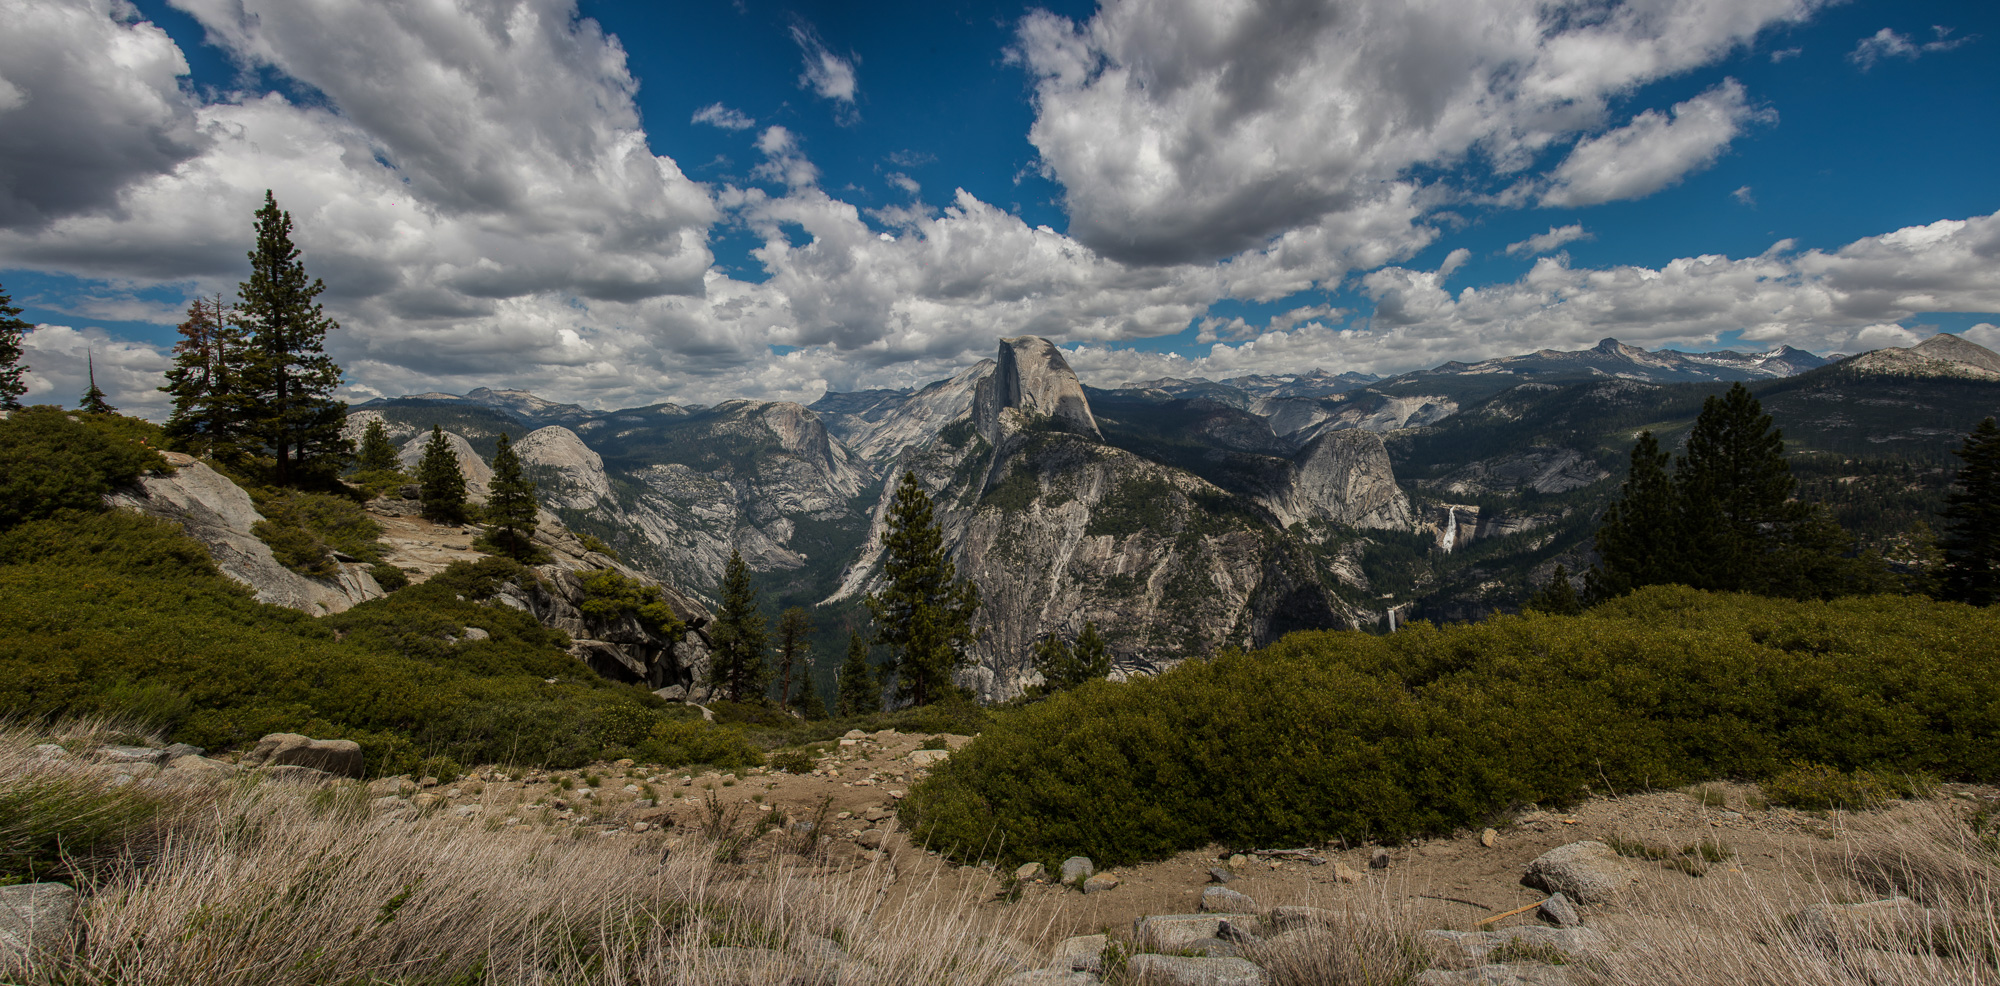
{"x":1971,"y":540}
{"x":1558,"y":598}
{"x":12,"y":328}
{"x":1635,"y":540}
{"x":440,"y":482}
{"x":1734,"y":492}
{"x":93,"y":401}
{"x":287,"y":399}
{"x":1066,"y":665}
{"x":809,"y":705}
{"x":924,"y":612}
{"x":206,"y":374}
{"x":378,"y":454}
{"x":510,"y":506}
{"x":736,"y":637}
{"x":857,"y":692}
{"x":794,"y":649}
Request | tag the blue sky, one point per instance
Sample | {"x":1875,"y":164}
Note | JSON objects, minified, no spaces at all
{"x":617,"y":203}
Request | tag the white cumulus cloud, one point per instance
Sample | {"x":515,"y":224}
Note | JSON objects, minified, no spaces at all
{"x":718,"y":115}
{"x":1655,"y":150}
{"x":1553,"y":240}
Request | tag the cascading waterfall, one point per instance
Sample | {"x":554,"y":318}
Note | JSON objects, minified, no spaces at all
{"x":1450,"y":529}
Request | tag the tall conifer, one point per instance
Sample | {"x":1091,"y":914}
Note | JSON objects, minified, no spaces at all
{"x":736,"y":660}
{"x":1971,"y":539}
{"x":287,"y":402}
{"x":510,"y":505}
{"x":12,"y":328}
{"x":1635,"y":541}
{"x":924,"y":611}
{"x":794,"y":650}
{"x":206,"y":374}
{"x":378,"y":454}
{"x":93,"y":401}
{"x":857,"y":692}
{"x":440,"y":483}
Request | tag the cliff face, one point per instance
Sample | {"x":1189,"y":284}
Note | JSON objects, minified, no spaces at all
{"x":1343,"y":477}
{"x":1030,"y":375}
{"x":219,"y":514}
{"x":879,"y":429}
{"x":478,"y":475}
{"x":1058,"y":528}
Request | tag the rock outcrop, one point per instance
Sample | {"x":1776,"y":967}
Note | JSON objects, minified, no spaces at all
{"x":566,"y":472}
{"x":338,"y":757}
{"x":1031,"y":375}
{"x":880,"y":429}
{"x":477,"y":473}
{"x":1942,"y":355}
{"x":1343,"y":477}
{"x":216,"y":512}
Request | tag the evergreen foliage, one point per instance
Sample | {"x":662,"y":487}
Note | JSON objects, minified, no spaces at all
{"x":612,"y":595}
{"x":304,"y":530}
{"x":924,"y":611}
{"x":286,"y":400}
{"x":1971,"y":540}
{"x":204,"y":381}
{"x":807,"y":702}
{"x":1344,"y":735}
{"x":12,"y":328}
{"x":93,"y":401}
{"x":857,"y":691}
{"x":736,"y":659}
{"x":1725,"y":520}
{"x":440,"y":482}
{"x":53,"y":463}
{"x":378,"y":454}
{"x":1065,"y":665}
{"x":795,"y":632}
{"x":510,"y":507}
{"x":1558,"y":598}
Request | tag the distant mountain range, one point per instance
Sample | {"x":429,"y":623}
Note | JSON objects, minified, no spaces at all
{"x":1185,"y":515}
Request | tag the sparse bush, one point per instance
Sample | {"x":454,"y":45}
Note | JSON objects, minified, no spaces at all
{"x":389,"y":577}
{"x":698,"y":743}
{"x":791,"y":761}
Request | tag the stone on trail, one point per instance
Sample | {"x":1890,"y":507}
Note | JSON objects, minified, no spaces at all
{"x":1587,"y":872}
{"x":1174,"y":932}
{"x":1099,"y":883}
{"x":1178,"y":970}
{"x":1347,"y":874}
{"x":1083,"y":953}
{"x":34,"y":918}
{"x":1557,"y":910}
{"x":1031,"y":873}
{"x":1380,"y":860}
{"x":341,"y":757}
{"x":854,"y":734}
{"x":1290,"y":917}
{"x":871,"y":838}
{"x":1051,"y":977}
{"x":1076,"y":868}
{"x":1489,"y":838}
{"x":1222,"y":900}
{"x":1220,"y":874}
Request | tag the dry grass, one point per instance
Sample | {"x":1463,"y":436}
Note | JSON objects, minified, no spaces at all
{"x":266,"y":883}
{"x":248,"y":883}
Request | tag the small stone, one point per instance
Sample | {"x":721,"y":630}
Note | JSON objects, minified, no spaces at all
{"x":845,"y":815}
{"x":870,"y":838}
{"x":1077,"y":868}
{"x":1380,"y":860}
{"x":1347,"y":874}
{"x":1218,"y":874}
{"x":1031,"y":873}
{"x":131,"y":755}
{"x":875,"y":814}
{"x":644,"y":803}
{"x":453,"y":793}
{"x":640,"y":826}
{"x":1222,"y":900}
{"x":1292,"y":917}
{"x":48,"y":751}
{"x":1587,"y":872}
{"x":854,"y":734}
{"x":1083,"y":953}
{"x":1557,"y":910}
{"x":34,"y":917}
{"x":1238,"y":861}
{"x":1178,"y":970}
{"x":898,"y":795}
{"x":631,"y":789}
{"x":1098,"y":883}
{"x":428,"y":782}
{"x":1489,"y":838}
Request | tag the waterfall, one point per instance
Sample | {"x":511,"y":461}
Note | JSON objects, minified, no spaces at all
{"x":1450,"y":539}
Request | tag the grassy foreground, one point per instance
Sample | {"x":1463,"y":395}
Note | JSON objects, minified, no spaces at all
{"x":1327,"y":736}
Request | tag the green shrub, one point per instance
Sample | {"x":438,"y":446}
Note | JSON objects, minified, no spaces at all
{"x":304,"y":530}
{"x":934,"y":743}
{"x":697,"y":743}
{"x":792,"y":761}
{"x":729,"y":713}
{"x":1345,"y":735}
{"x":609,"y":595}
{"x":1817,"y":787}
{"x":388,"y":576}
{"x":58,"y":461}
